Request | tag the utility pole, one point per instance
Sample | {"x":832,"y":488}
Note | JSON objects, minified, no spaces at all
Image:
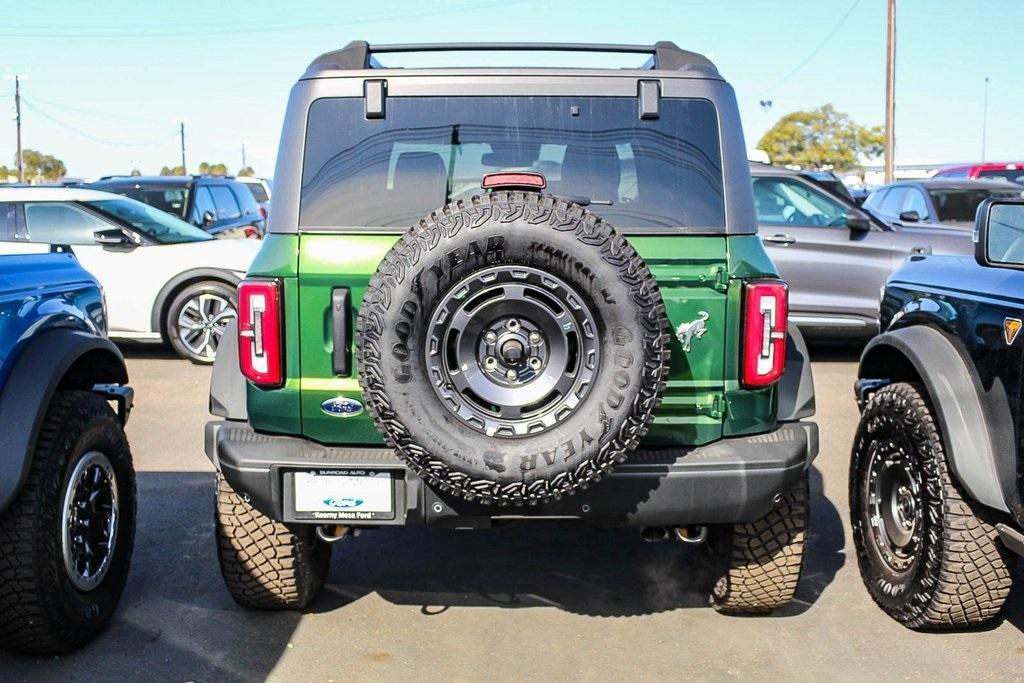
{"x":17,"y":125}
{"x":890,"y":90}
{"x":984,"y":120}
{"x":184,"y":168}
{"x":243,"y":154}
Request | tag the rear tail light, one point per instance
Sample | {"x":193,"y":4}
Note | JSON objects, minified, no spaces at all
{"x":263,"y":212}
{"x":259,"y":332}
{"x":765,"y":313}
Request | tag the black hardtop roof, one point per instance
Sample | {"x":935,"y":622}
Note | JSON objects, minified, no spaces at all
{"x":664,"y":55}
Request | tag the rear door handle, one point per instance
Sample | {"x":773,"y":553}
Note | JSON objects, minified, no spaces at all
{"x":780,"y":239}
{"x":340,"y":314}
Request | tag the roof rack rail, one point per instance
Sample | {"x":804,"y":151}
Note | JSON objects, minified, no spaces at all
{"x":664,"y":54}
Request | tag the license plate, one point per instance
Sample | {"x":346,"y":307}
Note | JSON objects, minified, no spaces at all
{"x":344,"y":494}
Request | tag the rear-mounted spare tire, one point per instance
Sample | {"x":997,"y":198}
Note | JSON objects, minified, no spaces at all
{"x":512,"y":348}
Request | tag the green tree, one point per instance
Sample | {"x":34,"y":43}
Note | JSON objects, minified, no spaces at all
{"x":213,"y":169}
{"x":172,"y":170}
{"x":246,"y":172}
{"x":136,"y":172}
{"x":39,"y":166}
{"x":6,"y":174}
{"x":821,"y":139}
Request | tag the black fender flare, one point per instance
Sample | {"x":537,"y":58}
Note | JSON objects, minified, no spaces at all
{"x":976,"y":425}
{"x":171,"y":287}
{"x":796,"y":388}
{"x":58,"y":358}
{"x":227,"y":384}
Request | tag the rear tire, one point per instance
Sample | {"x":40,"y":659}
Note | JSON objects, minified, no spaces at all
{"x":57,"y":592}
{"x":197,"y":318}
{"x":267,"y":565}
{"x":763,"y":559}
{"x":950,"y":570}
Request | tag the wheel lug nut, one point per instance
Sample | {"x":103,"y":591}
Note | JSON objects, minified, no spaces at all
{"x":534,"y":338}
{"x":511,"y":374}
{"x":512,"y":325}
{"x":490,"y":362}
{"x":534,"y":363}
{"x":490,"y":337}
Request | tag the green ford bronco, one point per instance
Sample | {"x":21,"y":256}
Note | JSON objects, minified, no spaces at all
{"x":497,"y":294}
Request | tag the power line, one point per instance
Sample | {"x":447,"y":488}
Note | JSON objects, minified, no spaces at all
{"x":146,"y":32}
{"x":815,"y":51}
{"x":89,"y":136}
{"x":97,"y":112}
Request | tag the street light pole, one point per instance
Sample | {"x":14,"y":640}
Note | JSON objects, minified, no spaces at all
{"x":17,"y":125}
{"x":890,"y":90}
{"x":984,"y":120}
{"x":184,"y":168}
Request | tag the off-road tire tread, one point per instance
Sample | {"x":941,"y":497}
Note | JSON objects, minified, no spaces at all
{"x":766,"y":557}
{"x":266,"y":564}
{"x":544,"y":211}
{"x":27,"y":622}
{"x":968,"y":574}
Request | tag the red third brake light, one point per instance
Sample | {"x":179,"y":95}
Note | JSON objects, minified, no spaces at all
{"x":259,"y":332}
{"x":765,"y":314}
{"x":512,"y":181}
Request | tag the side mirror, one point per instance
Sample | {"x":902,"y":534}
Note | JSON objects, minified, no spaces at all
{"x":999,"y":233}
{"x":910,"y":216}
{"x":208,"y":218}
{"x":857,"y":221}
{"x":116,"y":239}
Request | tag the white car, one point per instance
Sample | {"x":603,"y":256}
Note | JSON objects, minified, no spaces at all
{"x":162,"y":278}
{"x":260,"y":188}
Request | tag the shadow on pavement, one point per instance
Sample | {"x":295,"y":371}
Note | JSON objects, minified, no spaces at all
{"x":138,"y":349}
{"x":567,"y":565}
{"x":176,"y":620}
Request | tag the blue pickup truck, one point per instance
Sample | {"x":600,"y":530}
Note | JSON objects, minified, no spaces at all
{"x":67,"y":487}
{"x":937,"y":471}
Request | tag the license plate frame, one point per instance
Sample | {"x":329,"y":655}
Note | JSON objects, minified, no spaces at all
{"x":306,"y":490}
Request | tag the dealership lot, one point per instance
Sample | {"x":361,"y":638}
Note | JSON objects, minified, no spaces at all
{"x":551,"y":601}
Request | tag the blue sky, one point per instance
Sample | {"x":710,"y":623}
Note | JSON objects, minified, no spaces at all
{"x":107,"y":82}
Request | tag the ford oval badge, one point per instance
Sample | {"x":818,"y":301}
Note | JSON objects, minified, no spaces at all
{"x":341,"y":406}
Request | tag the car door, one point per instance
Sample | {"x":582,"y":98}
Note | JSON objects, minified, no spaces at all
{"x":834,"y":273}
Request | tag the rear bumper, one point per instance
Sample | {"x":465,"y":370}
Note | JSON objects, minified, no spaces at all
{"x":732,"y":480}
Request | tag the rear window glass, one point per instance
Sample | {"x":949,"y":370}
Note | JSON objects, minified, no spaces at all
{"x":1011,"y":175}
{"x":259,"y":193}
{"x":960,"y":206}
{"x":664,"y":172}
{"x":172,"y":199}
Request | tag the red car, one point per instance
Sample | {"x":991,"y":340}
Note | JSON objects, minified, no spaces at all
{"x":1012,"y":172}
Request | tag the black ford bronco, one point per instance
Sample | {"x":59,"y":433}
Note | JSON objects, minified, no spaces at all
{"x":937,"y":476}
{"x":442,"y":326}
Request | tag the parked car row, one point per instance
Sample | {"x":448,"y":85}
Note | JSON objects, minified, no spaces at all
{"x":163,"y":278}
{"x":222,"y":206}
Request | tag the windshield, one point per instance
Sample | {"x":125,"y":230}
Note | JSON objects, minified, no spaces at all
{"x":960,"y":206}
{"x":158,"y":225}
{"x":654,"y":173}
{"x":170,"y":198}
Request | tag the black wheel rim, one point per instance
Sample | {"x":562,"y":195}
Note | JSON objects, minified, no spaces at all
{"x":201,"y":323}
{"x":893,"y":496}
{"x":89,"y":521}
{"x":512,"y":351}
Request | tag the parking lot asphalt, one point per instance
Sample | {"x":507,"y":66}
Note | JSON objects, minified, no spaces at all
{"x":543,"y":601}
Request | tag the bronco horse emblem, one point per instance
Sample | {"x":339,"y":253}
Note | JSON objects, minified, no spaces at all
{"x":687,"y":332}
